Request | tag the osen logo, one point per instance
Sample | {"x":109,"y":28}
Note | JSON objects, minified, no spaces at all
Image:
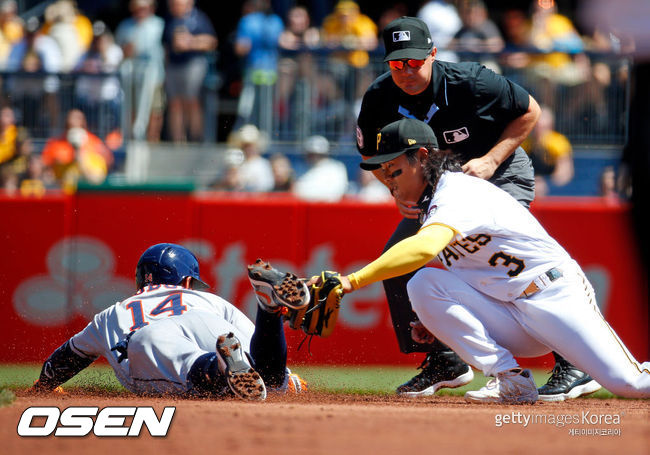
{"x":78,"y":421}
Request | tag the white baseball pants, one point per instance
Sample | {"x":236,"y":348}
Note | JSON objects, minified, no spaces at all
{"x":488,"y":333}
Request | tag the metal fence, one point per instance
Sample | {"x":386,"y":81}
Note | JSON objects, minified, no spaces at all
{"x":41,"y":101}
{"x":318,"y":93}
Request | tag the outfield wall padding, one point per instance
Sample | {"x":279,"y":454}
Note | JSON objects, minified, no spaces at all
{"x":66,"y":257}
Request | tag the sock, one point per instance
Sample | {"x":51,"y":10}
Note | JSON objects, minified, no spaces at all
{"x":269,"y":348}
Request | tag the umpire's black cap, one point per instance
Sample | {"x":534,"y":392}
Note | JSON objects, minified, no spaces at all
{"x":407,"y":37}
{"x":400,"y":137}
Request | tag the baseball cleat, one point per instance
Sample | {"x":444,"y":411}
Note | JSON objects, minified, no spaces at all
{"x":276,"y":290}
{"x":242,"y":379}
{"x":514,"y":386}
{"x":442,"y":369}
{"x":567,"y":382}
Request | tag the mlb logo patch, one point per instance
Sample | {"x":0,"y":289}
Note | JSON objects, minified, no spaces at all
{"x":453,"y":136}
{"x":401,"y":35}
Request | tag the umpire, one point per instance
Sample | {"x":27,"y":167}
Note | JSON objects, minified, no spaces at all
{"x":484,"y":118}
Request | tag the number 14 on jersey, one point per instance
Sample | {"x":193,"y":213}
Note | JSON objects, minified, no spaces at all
{"x":173,"y":304}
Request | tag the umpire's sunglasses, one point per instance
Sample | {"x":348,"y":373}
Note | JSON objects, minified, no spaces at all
{"x":399,"y":64}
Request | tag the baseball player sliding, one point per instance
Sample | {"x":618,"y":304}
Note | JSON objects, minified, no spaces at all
{"x":508,"y":289}
{"x":173,"y":337}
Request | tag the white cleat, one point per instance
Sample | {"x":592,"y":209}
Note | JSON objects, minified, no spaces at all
{"x":512,"y":386}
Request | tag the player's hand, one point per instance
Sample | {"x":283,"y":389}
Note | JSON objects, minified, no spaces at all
{"x":420,"y":334}
{"x":316,"y":280}
{"x":483,"y":167}
{"x":408,"y":209}
{"x":346,"y":286}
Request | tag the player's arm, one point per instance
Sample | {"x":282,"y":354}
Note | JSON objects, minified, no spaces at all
{"x":513,"y":135}
{"x":405,"y":256}
{"x":61,"y":365}
{"x":502,"y":99}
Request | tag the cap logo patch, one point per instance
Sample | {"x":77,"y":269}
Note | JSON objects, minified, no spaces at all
{"x":401,"y":35}
{"x":411,"y":141}
{"x":378,"y":140}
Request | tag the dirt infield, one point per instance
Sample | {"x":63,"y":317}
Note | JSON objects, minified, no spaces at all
{"x":316,"y":423}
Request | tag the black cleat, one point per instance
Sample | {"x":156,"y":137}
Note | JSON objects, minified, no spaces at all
{"x":276,"y":290}
{"x":441,"y":369}
{"x":242,"y":379}
{"x":567,"y":382}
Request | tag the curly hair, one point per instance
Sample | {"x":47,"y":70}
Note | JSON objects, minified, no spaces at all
{"x":438,"y":162}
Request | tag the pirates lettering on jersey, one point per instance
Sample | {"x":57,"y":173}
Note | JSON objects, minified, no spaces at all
{"x":460,"y":248}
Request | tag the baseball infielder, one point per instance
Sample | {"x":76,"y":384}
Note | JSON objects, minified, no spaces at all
{"x":173,"y":337}
{"x":508,"y":289}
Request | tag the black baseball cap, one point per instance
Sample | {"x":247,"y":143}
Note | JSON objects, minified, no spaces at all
{"x":407,"y":37}
{"x":399,"y":137}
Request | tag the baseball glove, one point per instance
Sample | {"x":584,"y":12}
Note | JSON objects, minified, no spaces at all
{"x":320,"y":316}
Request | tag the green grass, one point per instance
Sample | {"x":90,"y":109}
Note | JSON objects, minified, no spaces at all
{"x":98,"y":377}
{"x":361,"y":380}
{"x":6,"y":397}
{"x":384,"y":380}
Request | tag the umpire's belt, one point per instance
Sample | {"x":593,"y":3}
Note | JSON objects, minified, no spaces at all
{"x":542,"y":282}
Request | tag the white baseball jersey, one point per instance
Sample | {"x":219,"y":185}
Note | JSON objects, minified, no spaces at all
{"x":173,"y":327}
{"x":476,"y":306}
{"x":509,"y":239}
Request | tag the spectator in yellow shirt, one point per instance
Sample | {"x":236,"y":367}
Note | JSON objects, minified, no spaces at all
{"x":8,"y":134}
{"x":347,"y":27}
{"x":550,"y":152}
{"x":355,"y":32}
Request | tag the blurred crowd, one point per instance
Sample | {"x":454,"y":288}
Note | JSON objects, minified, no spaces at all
{"x":169,"y":58}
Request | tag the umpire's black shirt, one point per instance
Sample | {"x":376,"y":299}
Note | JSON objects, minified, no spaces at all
{"x":467,"y":105}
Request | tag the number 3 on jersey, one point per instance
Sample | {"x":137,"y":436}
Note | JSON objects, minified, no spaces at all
{"x":172,"y":304}
{"x":501,"y":258}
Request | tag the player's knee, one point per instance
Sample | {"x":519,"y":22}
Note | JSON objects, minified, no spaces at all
{"x":427,"y":281}
{"x":424,"y":289}
{"x":415,"y":288}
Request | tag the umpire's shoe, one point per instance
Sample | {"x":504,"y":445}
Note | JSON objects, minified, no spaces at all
{"x":567,"y":382}
{"x":234,"y":364}
{"x":277,"y":291}
{"x":439,"y":369}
